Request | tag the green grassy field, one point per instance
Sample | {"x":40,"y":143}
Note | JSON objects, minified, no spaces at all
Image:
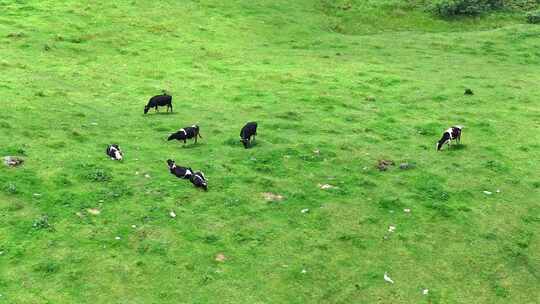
{"x":375,"y":81}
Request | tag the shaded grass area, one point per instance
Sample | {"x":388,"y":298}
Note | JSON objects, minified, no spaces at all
{"x":75,"y":77}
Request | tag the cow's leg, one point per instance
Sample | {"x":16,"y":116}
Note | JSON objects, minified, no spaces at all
{"x":196,"y":138}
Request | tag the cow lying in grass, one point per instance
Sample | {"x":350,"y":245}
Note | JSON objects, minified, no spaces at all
{"x":114,"y":152}
{"x":249,"y":130}
{"x":453,"y":133}
{"x":180,"y":172}
{"x":199,"y":180}
{"x":186,"y":133}
{"x":159,"y":101}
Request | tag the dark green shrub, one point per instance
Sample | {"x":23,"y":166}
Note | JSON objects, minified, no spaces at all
{"x":451,"y":8}
{"x":533,"y":17}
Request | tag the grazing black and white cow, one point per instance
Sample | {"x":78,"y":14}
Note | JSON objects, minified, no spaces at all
{"x":199,"y":180}
{"x":249,"y":130}
{"x":180,"y":172}
{"x":114,"y":152}
{"x":453,"y":133}
{"x":186,"y":133}
{"x":159,"y":101}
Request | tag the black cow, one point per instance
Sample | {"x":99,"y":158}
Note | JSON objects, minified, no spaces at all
{"x":198,"y":180}
{"x":114,"y":152}
{"x":249,"y":130}
{"x":180,"y":172}
{"x":186,"y":133}
{"x":159,"y":101}
{"x":453,"y":133}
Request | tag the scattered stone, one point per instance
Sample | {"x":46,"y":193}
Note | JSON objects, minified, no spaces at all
{"x":469,"y":92}
{"x":305,"y":210}
{"x":488,"y":193}
{"x":12,"y":161}
{"x":388,"y":279}
{"x":220,"y":257}
{"x":93,"y":211}
{"x":147,"y":175}
{"x":384,"y":164}
{"x":498,"y":191}
{"x":407,"y":210}
{"x":326,"y":186}
{"x":133,"y":226}
{"x":172,"y":214}
{"x":405,"y":166}
{"x":272,"y":197}
{"x":304,"y":271}
{"x":391,"y":228}
{"x":425,"y":291}
{"x":117,"y":238}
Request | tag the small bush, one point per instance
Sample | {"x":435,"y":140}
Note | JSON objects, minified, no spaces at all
{"x":99,"y":175}
{"x":451,"y":8}
{"x":41,"y":223}
{"x":533,"y":17}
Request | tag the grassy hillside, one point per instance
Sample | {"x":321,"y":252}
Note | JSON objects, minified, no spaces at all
{"x":333,"y":91}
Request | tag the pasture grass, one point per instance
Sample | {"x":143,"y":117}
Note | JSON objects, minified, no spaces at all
{"x":379,"y":80}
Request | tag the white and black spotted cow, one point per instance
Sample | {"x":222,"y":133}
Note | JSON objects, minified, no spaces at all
{"x":248,"y":131}
{"x":199,"y":180}
{"x":186,"y":133}
{"x":180,"y":172}
{"x":114,"y":152}
{"x":453,"y":133}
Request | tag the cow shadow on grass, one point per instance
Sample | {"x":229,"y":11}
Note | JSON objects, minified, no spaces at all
{"x":458,"y":147}
{"x":161,"y":113}
{"x":192,"y":145}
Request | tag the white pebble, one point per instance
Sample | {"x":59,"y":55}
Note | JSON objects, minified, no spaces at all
{"x":425,"y":292}
{"x":488,"y":193}
{"x":407,"y":210}
{"x":133,"y":226}
{"x":117,"y":238}
{"x":304,"y":271}
{"x":304,"y":210}
{"x":388,"y":279}
{"x":391,"y":228}
{"x":172,"y":214}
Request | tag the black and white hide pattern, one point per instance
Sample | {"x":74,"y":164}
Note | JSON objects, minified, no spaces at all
{"x":178,"y":171}
{"x":114,"y":152}
{"x":199,"y":180}
{"x":186,"y":133}
{"x":453,"y":133}
{"x":248,"y":131}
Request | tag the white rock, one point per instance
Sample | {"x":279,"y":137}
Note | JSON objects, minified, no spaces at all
{"x":147,"y":175}
{"x":304,"y":210}
{"x":117,"y":238}
{"x":488,"y":193}
{"x":388,"y":279}
{"x":425,"y":291}
{"x":407,"y":210}
{"x":133,"y":226}
{"x":498,"y":190}
{"x":172,"y":214}
{"x":391,"y":228}
{"x":304,"y":271}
